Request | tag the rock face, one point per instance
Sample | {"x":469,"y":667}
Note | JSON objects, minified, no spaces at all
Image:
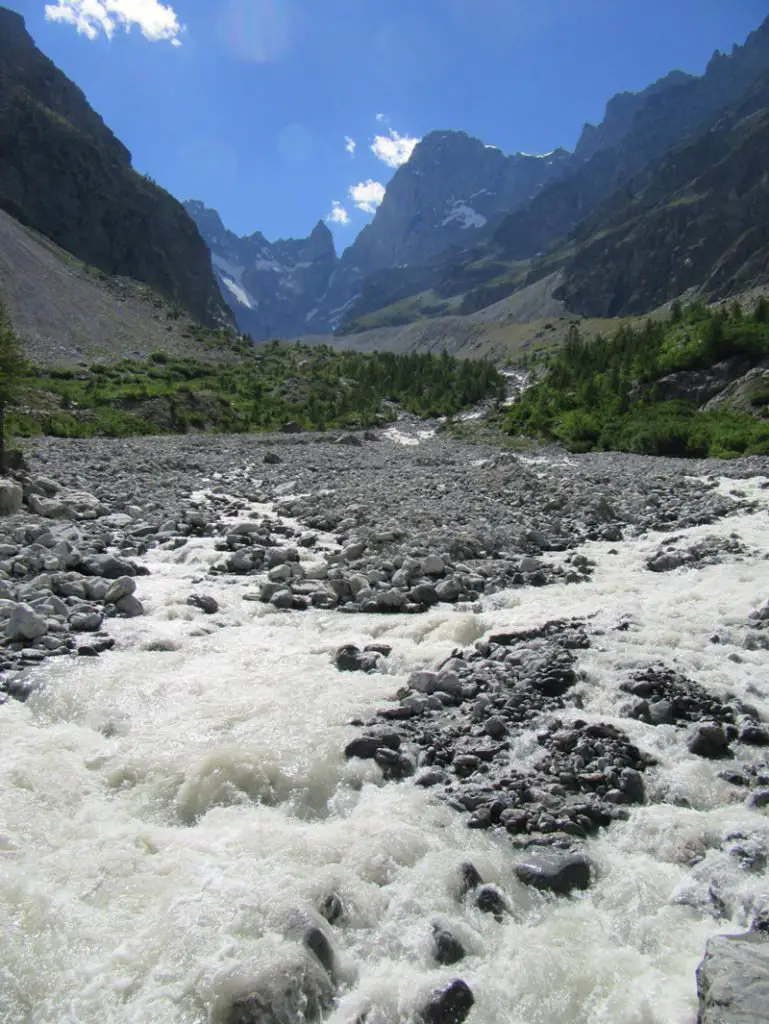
{"x":65,"y":174}
{"x":636,"y":130}
{"x":700,"y":211}
{"x":448,"y":195}
{"x":733,"y":980}
{"x":275,"y":289}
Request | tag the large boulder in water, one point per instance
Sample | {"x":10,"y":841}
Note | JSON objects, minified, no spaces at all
{"x":299,"y":992}
{"x":556,"y":872}
{"x":733,"y":980}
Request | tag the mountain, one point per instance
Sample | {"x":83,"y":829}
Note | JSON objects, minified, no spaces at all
{"x":451,"y":193}
{"x":637,"y":130}
{"x":274,"y":289}
{"x":697,"y":218}
{"x":448,"y":194}
{"x":634,"y":132}
{"x":64,"y":174}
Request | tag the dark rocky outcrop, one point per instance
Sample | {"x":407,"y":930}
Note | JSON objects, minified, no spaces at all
{"x":63,"y":173}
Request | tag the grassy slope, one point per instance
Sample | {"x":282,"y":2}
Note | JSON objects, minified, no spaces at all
{"x":267,"y":389}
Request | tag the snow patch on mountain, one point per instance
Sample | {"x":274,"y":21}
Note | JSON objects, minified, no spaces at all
{"x":466,"y":215}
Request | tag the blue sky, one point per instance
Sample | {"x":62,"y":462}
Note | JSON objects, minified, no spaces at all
{"x":249,"y":105}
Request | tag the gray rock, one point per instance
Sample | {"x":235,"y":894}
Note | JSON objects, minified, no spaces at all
{"x":709,"y":740}
{"x":280,"y":574}
{"x":207,"y":604}
{"x":25,"y":624}
{"x":11,"y":497}
{"x":424,"y":594}
{"x":448,"y":590}
{"x":108,"y":566}
{"x":424,"y":682}
{"x":351,"y":659}
{"x":551,"y":871}
{"x":733,"y":980}
{"x":433,"y":565}
{"x":86,"y":621}
{"x":448,"y":949}
{"x":282,"y":599}
{"x":130,"y":606}
{"x":121,"y":587}
{"x":354,"y":551}
{"x":49,"y":508}
{"x":293,"y":993}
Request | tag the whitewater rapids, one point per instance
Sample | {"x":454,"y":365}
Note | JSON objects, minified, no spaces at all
{"x":168,"y":809}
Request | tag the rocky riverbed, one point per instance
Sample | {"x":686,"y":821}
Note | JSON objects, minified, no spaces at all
{"x":561,"y":659}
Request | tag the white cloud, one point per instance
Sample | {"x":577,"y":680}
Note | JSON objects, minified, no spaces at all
{"x":367,"y":195}
{"x":381,"y":117}
{"x":338,"y":214}
{"x":393,"y":149}
{"x":156,"y":21}
{"x":350,"y":145}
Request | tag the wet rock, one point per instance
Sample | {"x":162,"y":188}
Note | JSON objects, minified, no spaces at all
{"x":121,"y":587}
{"x":352,"y":659}
{"x":709,"y":740}
{"x":450,"y":1005}
{"x":293,"y":993}
{"x":366,"y":746}
{"x":489,"y":900}
{"x":332,"y":908}
{"x":130,"y":606}
{"x":733,"y":980}
{"x":207,"y":604}
{"x":555,"y":872}
{"x":317,"y":942}
{"x":448,"y":949}
{"x":272,"y":459}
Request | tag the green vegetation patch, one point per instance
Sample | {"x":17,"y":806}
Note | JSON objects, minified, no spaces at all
{"x":604,"y":395}
{"x":270,"y":387}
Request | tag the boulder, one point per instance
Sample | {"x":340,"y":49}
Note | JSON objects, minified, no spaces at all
{"x":11,"y":497}
{"x":733,"y":980}
{"x":207,"y":604}
{"x":110,"y":567}
{"x":121,"y":587}
{"x":352,"y":659}
{"x":294,"y":993}
{"x":449,"y":1005}
{"x":272,"y":459}
{"x":551,"y":871}
{"x":130,"y":606}
{"x":49,"y":508}
{"x":448,"y":949}
{"x":709,"y":740}
{"x":25,"y":624}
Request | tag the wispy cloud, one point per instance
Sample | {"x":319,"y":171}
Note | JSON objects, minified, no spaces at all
{"x":367,"y":195}
{"x":350,"y":145}
{"x":156,"y":21}
{"x":338,"y":214}
{"x":393,"y":149}
{"x":381,"y":117}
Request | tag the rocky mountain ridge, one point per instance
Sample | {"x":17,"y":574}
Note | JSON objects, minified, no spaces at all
{"x":450,"y":194}
{"x":64,"y":174}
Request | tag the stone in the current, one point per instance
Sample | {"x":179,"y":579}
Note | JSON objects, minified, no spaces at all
{"x":352,"y":659}
{"x":551,"y":871}
{"x":130,"y":606}
{"x":448,"y":949}
{"x":121,"y":587}
{"x":205,"y":602}
{"x":449,"y":1005}
{"x":282,"y":599}
{"x":297,"y":992}
{"x":709,"y":740}
{"x":272,"y":459}
{"x":733,"y":980}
